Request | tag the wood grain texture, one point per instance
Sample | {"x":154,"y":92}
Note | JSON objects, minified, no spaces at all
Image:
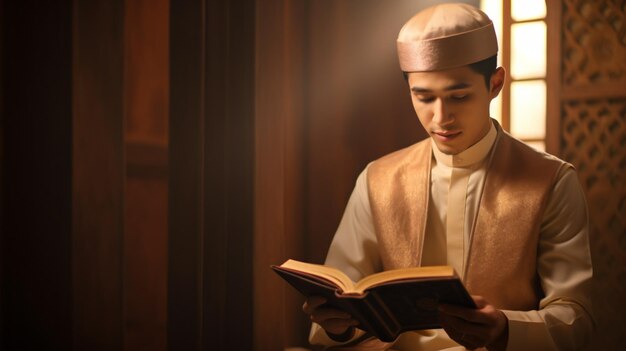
{"x":553,"y":77}
{"x":185,"y":208}
{"x":98,"y":175}
{"x":146,"y":117}
{"x":279,"y":97}
{"x":211,"y":184}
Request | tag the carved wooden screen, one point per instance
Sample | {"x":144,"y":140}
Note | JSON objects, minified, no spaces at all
{"x":587,"y":127}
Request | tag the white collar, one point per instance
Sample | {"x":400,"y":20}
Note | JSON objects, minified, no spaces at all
{"x":472,"y":155}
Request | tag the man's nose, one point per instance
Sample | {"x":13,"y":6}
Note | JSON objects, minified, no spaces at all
{"x":441,"y":113}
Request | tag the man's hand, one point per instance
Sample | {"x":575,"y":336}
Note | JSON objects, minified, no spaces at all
{"x":338,"y":324}
{"x":484,"y":326}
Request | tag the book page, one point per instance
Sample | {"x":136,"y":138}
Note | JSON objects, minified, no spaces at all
{"x":337,"y":277}
{"x":412,"y":273}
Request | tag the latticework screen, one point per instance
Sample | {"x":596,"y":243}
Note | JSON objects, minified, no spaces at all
{"x":593,"y":138}
{"x":593,"y":42}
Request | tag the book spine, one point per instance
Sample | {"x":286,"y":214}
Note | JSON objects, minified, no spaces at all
{"x":381,"y":323}
{"x":357,"y":307}
{"x":390,"y":324}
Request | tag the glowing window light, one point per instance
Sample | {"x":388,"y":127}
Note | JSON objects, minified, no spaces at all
{"x":528,"y":109}
{"x":524,"y":10}
{"x":528,"y":50}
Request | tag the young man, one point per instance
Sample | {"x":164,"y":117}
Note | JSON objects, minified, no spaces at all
{"x":511,"y":221}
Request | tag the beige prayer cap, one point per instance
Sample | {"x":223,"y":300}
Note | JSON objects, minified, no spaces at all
{"x":446,"y":36}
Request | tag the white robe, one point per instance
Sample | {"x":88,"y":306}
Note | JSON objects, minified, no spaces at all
{"x":563,"y":320}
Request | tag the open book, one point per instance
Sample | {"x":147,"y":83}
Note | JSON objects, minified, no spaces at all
{"x":386,"y":303}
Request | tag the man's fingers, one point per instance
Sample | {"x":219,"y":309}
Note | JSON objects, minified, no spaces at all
{"x":333,"y":320}
{"x":468,"y":314}
{"x":472,"y":334}
{"x":461,"y":311}
{"x":321,"y":314}
{"x":483,"y":315}
{"x":455,"y":323}
{"x":479,"y":301}
{"x":467,"y":334}
{"x":338,"y":325}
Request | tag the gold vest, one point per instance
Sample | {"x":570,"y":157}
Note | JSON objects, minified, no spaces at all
{"x":501,"y":264}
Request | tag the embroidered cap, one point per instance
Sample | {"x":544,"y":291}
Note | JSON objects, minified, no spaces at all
{"x":446,"y":36}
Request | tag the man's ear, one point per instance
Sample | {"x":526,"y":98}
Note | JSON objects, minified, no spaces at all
{"x":496,"y":82}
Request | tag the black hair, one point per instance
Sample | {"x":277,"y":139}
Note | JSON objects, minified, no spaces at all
{"x":485,"y":68}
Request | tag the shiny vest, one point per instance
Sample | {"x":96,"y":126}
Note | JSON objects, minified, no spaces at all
{"x":502,"y":259}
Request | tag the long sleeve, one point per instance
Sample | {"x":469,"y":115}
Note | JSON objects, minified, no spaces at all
{"x":354,"y":248}
{"x":564,"y":319}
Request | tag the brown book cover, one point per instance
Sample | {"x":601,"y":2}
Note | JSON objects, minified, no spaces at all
{"x":386,"y":303}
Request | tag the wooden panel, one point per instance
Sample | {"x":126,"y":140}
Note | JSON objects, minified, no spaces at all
{"x":553,"y":77}
{"x":278,"y":320}
{"x":228,"y":180}
{"x":146,"y":65}
{"x":35,"y":218}
{"x":210,"y":291}
{"x":146,"y":160}
{"x":146,"y":106}
{"x":211,"y":178}
{"x":66,"y":238}
{"x":145,"y":263}
{"x":98,"y":174}
{"x":506,"y":63}
{"x":184,"y":321}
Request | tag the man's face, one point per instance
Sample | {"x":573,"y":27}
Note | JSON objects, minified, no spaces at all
{"x":453,"y":105}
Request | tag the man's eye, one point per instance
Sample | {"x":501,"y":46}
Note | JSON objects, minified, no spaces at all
{"x":425,"y":99}
{"x":459,"y":96}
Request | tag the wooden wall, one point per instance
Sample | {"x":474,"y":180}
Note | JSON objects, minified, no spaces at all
{"x":97,"y":175}
{"x":84,"y":175}
{"x":278,"y":184}
{"x":35,"y":232}
{"x":146,"y":141}
{"x":211,"y":184}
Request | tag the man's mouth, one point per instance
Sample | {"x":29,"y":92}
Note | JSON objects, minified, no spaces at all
{"x":446,"y":135}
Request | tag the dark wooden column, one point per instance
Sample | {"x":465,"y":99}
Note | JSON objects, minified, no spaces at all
{"x":98,"y":175}
{"x":83,"y":264}
{"x":279,"y":111}
{"x":211,"y":155}
{"x":36,"y":219}
{"x":146,"y":116}
{"x":187,"y":54}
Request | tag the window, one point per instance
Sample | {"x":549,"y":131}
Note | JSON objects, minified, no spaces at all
{"x":521,"y":30}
